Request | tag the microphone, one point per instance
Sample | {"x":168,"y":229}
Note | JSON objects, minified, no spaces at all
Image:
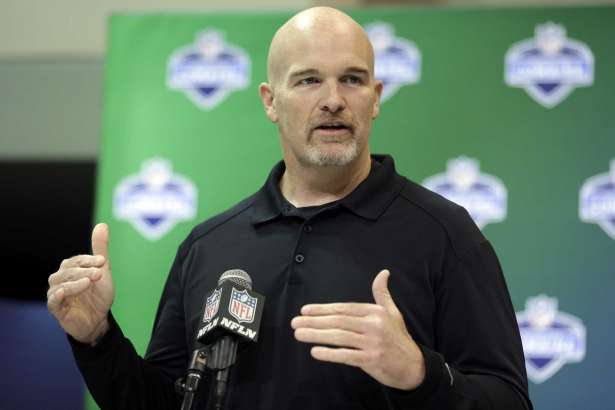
{"x":231,"y":314}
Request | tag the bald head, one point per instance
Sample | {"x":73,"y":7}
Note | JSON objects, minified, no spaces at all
{"x":315,"y":27}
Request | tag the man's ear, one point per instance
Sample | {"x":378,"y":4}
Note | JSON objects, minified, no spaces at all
{"x":267,"y":97}
{"x":378,"y":86}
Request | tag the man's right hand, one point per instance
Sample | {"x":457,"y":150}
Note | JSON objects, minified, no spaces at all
{"x":81,"y":291}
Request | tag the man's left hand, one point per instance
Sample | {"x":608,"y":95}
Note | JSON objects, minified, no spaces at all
{"x":370,"y":336}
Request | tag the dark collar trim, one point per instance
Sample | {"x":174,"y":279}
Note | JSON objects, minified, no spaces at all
{"x":374,"y":195}
{"x":369,"y":200}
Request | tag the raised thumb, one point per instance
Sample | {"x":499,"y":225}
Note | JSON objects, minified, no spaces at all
{"x":380,"y":290}
{"x":100,"y":240}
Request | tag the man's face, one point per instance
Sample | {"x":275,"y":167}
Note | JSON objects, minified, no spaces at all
{"x":324,"y":99}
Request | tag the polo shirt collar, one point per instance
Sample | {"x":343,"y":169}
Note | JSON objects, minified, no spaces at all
{"x":369,"y":199}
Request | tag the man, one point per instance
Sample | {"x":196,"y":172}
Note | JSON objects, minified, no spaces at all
{"x":380,"y":294}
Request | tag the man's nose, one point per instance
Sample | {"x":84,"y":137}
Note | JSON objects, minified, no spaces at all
{"x":332,"y":100}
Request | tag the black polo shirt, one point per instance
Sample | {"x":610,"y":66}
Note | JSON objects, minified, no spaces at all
{"x":445,"y":280}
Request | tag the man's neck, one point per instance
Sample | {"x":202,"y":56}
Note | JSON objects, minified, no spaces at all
{"x":313,"y":186}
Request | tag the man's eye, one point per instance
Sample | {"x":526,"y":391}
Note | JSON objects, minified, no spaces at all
{"x":353,"y":79}
{"x":308,"y":81}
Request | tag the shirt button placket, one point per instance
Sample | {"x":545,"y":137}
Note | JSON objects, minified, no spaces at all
{"x":299,"y":258}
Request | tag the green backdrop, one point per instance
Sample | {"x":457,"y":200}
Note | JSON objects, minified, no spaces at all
{"x":461,"y":105}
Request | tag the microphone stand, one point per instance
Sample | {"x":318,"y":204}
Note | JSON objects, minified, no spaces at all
{"x":223,"y":355}
{"x":189,"y":384}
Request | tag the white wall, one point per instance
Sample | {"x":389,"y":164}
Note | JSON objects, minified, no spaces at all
{"x":77,"y":27}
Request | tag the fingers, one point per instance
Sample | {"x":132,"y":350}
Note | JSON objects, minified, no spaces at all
{"x":83,"y":261}
{"x":73,"y":274}
{"x":70,"y":288}
{"x":77,"y":267}
{"x":344,"y":309}
{"x":54,"y":300}
{"x":331,"y":337}
{"x":56,"y":295}
{"x":350,"y":357}
{"x":76,"y":287}
{"x":350,"y":323}
{"x":100,"y":240}
{"x":338,"y":324}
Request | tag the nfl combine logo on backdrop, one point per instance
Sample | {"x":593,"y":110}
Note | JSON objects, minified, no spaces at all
{"x":397,"y":60}
{"x":483,"y":196}
{"x":597,"y":201}
{"x":208,"y":70}
{"x":242,"y":306}
{"x":549,"y":66}
{"x":550,"y":338}
{"x":154,"y":200}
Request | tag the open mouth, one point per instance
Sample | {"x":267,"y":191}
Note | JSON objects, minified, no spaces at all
{"x":333,"y":128}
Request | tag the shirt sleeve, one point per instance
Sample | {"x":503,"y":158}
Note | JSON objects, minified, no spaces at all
{"x":477,"y":362}
{"x":118,"y":378}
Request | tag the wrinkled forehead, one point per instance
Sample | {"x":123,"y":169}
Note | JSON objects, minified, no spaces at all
{"x":326,"y":54}
{"x":319,"y":47}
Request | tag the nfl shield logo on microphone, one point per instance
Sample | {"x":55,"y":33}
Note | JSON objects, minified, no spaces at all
{"x":242,"y":306}
{"x":212,"y":304}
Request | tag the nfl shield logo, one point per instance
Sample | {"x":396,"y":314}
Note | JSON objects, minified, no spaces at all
{"x":242,"y":306}
{"x":212,"y":305}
